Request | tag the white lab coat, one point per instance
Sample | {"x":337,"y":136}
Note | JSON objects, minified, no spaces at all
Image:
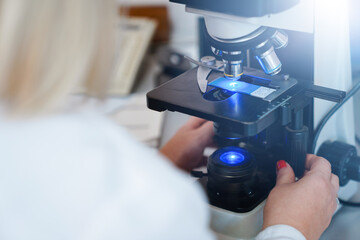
{"x":79,"y":176}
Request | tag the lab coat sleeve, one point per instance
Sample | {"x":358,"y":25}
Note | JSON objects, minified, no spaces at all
{"x":148,"y":198}
{"x":280,"y":232}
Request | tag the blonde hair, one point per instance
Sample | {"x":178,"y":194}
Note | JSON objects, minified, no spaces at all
{"x":49,"y":48}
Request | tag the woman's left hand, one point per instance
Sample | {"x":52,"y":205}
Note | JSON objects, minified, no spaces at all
{"x":185,"y":149}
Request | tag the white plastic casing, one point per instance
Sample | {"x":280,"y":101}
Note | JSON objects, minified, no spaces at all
{"x":229,"y":225}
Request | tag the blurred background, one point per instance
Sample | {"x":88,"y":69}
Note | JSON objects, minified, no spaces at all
{"x":155,"y":35}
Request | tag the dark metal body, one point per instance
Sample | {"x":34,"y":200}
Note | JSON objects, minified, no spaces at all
{"x":246,"y":115}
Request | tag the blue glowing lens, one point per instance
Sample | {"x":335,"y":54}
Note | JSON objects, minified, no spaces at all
{"x":232,"y":158}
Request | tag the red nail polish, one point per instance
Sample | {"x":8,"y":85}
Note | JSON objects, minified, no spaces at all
{"x":280,"y":164}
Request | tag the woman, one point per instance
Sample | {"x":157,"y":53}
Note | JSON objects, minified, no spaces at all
{"x":73,"y":174}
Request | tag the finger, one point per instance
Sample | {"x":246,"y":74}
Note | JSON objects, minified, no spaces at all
{"x":335,"y":182}
{"x":213,"y":144}
{"x":285,"y":173}
{"x":195,"y":122}
{"x":310,"y":159}
{"x":206,"y":133}
{"x":318,"y":165}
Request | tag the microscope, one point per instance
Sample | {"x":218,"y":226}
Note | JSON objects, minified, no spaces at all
{"x":276,"y":68}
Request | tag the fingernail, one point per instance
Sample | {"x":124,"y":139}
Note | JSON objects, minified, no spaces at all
{"x":280,"y":164}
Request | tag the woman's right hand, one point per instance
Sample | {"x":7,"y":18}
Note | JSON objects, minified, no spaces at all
{"x":308,"y":204}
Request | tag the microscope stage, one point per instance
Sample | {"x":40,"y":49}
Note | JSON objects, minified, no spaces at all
{"x":245,"y":113}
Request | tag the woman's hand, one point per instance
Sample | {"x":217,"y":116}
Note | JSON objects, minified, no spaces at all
{"x":185,"y":149}
{"x":308,"y":204}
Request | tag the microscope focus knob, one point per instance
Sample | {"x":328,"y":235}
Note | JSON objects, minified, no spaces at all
{"x":344,"y":160}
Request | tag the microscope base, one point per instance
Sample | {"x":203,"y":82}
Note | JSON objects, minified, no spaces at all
{"x":229,"y":225}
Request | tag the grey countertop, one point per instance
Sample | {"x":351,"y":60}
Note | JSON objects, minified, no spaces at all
{"x":345,"y":224}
